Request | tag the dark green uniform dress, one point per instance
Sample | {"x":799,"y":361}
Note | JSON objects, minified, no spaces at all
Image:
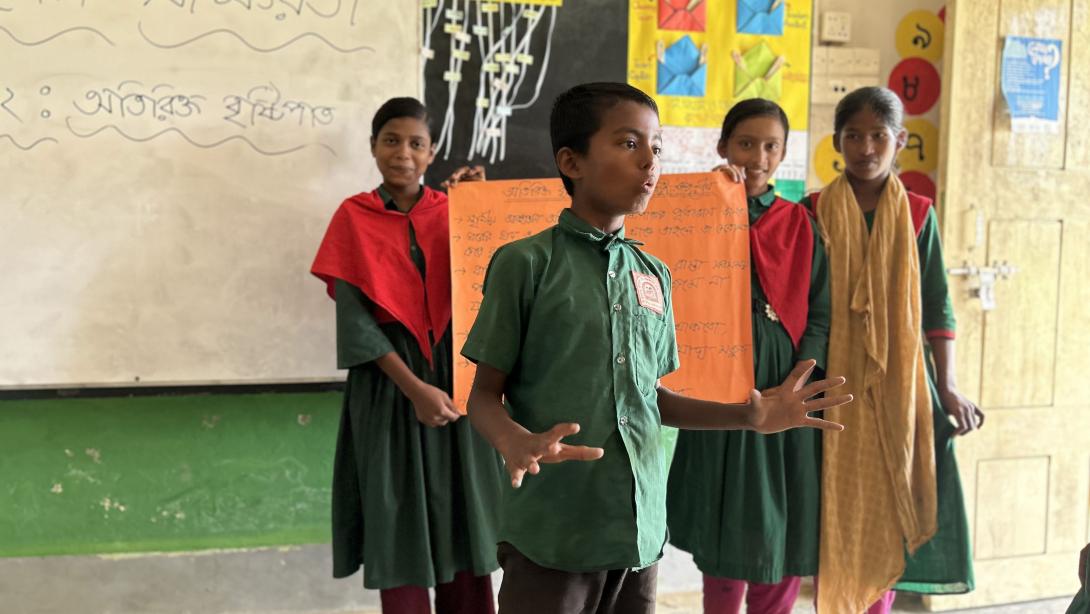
{"x":943,"y":565}
{"x":745,"y":505}
{"x":413,"y":505}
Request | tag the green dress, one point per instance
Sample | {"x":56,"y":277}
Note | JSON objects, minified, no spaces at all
{"x":413,"y":505}
{"x":745,"y":505}
{"x":1081,"y":603}
{"x":944,"y":565}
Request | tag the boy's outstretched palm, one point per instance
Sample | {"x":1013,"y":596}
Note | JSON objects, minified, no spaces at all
{"x":789,"y":404}
{"x":524,"y":452}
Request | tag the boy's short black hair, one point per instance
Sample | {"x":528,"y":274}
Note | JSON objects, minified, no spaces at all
{"x":753,"y":107}
{"x":396,"y":108}
{"x":577,"y":115}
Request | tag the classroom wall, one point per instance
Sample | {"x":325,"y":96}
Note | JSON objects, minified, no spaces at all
{"x":907,"y":38}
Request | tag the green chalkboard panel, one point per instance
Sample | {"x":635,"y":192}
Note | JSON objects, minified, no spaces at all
{"x":142,"y":474}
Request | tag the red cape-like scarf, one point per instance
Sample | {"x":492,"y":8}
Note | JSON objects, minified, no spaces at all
{"x":782,"y":242}
{"x":367,"y":245}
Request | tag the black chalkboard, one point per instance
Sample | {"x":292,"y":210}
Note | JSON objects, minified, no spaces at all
{"x":589,"y":43}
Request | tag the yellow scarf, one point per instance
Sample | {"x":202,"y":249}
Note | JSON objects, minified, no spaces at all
{"x":878,"y":476}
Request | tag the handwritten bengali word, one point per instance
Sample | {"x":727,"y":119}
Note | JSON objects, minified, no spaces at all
{"x":700,"y":352}
{"x":159,"y":102}
{"x":684,"y":189}
{"x":530,"y":191}
{"x":264,"y":103}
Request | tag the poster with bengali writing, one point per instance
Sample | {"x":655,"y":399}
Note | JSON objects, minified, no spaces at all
{"x":696,"y":223}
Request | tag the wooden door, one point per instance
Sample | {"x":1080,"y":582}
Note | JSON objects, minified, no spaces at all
{"x":1023,"y":201}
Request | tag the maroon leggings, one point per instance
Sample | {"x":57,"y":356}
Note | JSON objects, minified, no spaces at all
{"x":465,"y":594}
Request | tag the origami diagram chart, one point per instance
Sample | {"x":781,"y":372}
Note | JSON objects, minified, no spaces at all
{"x":699,"y":57}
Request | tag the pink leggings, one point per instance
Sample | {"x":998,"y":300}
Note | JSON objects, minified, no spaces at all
{"x":724,"y":596}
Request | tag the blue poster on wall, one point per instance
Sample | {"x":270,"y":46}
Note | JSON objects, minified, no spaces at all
{"x":1030,"y":81}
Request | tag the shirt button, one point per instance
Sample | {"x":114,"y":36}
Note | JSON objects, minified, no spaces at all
{"x":620,"y":359}
{"x":617,"y":307}
{"x":612,"y":274}
{"x":623,"y":421}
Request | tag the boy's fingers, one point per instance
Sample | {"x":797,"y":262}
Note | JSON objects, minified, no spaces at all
{"x":516,"y":475}
{"x":574,"y":453}
{"x":827,"y":402}
{"x":562,"y":430}
{"x":815,"y":388}
{"x":824,"y":425}
{"x":801,"y":373}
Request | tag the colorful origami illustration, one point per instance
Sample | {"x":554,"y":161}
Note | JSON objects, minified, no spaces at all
{"x":687,"y":15}
{"x":760,"y":17}
{"x":757,"y":73}
{"x":682,"y":68}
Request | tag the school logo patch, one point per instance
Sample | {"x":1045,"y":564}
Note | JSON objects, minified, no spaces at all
{"x":648,"y":292}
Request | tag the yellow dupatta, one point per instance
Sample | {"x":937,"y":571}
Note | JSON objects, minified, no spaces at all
{"x":878,"y":476}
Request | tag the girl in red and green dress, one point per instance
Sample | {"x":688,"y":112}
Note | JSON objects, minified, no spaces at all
{"x":745,"y":505}
{"x":415,"y":489}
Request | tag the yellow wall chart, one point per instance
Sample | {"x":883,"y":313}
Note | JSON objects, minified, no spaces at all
{"x":698,"y":57}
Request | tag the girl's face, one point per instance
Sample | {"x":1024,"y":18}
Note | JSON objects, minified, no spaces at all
{"x":757,"y":145}
{"x":869,"y":146}
{"x":403,"y":150}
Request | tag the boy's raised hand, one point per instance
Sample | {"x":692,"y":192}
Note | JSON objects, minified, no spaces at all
{"x":524,"y":452}
{"x":788,"y":405}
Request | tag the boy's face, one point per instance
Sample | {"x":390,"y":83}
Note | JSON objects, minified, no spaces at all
{"x":403,"y":150}
{"x":621,"y":168}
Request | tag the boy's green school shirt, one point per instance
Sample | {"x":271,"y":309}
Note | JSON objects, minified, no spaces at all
{"x":561,"y":316}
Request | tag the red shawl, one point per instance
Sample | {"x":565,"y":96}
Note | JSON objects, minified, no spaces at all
{"x":782,"y":242}
{"x":367,"y":245}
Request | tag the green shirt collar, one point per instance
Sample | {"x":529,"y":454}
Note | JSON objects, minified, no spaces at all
{"x":388,"y":199}
{"x":765,"y":200}
{"x":573,"y":224}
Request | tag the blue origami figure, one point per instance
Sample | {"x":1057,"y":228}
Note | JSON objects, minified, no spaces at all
{"x":682,"y":69}
{"x":761,"y":17}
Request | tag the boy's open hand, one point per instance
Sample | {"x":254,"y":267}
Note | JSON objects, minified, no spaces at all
{"x":433,"y":406}
{"x":788,"y":405}
{"x":524,"y":452}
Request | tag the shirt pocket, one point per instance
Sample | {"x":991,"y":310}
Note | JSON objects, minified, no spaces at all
{"x":648,"y":336}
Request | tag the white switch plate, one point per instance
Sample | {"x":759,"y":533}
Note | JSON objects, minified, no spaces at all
{"x":829,"y":90}
{"x":836,"y":27}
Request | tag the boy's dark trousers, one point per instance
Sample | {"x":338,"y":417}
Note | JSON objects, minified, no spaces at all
{"x":529,"y":588}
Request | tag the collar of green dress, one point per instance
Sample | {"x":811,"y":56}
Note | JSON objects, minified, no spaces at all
{"x":573,"y":224}
{"x":765,"y":200}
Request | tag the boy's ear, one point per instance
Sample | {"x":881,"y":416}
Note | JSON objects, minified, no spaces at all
{"x":431,"y":153}
{"x":569,"y":163}
{"x":373,"y":146}
{"x":836,"y":143}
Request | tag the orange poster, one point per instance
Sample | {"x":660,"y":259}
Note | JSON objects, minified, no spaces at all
{"x":696,"y":223}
